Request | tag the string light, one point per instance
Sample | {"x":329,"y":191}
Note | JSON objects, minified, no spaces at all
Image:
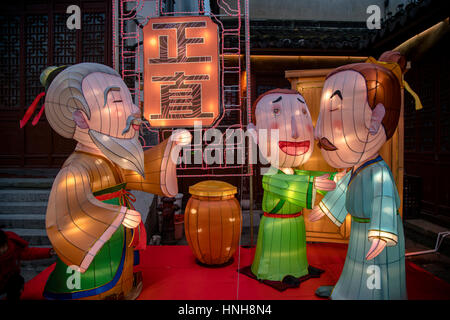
{"x":232,"y":9}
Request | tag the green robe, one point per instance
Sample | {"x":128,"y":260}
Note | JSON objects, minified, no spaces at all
{"x":281,"y":244}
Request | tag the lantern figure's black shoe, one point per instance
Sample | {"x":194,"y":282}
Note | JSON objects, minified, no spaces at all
{"x":288,"y":281}
{"x":324,"y":291}
{"x":291,"y":281}
{"x":315,"y":272}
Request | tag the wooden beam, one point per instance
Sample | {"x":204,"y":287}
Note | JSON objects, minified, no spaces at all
{"x":417,"y":46}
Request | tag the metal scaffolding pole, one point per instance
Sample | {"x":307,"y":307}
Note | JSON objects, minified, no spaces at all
{"x":248,"y":97}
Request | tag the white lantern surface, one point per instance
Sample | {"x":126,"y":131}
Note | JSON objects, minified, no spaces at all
{"x":90,"y":220}
{"x":359,"y":112}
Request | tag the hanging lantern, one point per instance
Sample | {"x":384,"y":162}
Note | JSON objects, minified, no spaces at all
{"x":213,"y":222}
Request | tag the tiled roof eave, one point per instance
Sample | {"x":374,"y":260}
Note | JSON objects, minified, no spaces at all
{"x":311,"y":37}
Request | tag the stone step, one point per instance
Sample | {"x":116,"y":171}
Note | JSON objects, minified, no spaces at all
{"x":24,"y":195}
{"x":19,"y":172}
{"x":425,"y":232}
{"x":245,"y":204}
{"x":26,"y":183}
{"x":39,"y":263}
{"x":23,"y":221}
{"x":35,"y":237}
{"x":23,"y":207}
{"x":29,"y":271}
{"x":246,"y":217}
{"x":33,"y":264}
{"x":245,"y":239}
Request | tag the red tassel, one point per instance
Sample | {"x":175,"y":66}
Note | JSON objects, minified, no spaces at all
{"x":139,"y":241}
{"x":38,"y":116}
{"x":31,"y":110}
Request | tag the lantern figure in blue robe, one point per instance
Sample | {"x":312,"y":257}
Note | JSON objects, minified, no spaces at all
{"x":359,"y":112}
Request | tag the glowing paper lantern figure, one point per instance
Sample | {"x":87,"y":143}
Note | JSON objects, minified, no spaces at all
{"x":360,"y":108}
{"x":90,"y":220}
{"x":281,"y":245}
{"x":213,"y":222}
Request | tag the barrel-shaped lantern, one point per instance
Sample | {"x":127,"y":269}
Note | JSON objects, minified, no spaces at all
{"x":212,"y":222}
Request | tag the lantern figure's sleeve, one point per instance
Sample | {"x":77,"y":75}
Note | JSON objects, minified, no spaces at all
{"x":77,"y":223}
{"x":160,"y":171}
{"x":333,"y":203}
{"x":331,"y":177}
{"x":384,"y":203}
{"x":296,"y":189}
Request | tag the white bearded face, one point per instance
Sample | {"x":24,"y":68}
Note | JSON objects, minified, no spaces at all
{"x":113,"y":127}
{"x":290,"y":115}
{"x":344,"y":121}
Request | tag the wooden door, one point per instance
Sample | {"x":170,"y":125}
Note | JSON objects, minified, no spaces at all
{"x":34,"y":36}
{"x":310,"y":83}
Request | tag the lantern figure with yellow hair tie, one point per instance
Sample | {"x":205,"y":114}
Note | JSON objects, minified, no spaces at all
{"x":359,"y":111}
{"x":90,"y":220}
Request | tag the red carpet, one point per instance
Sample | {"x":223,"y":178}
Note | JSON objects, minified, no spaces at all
{"x":170,"y":272}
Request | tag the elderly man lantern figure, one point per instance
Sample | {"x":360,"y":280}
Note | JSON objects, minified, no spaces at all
{"x":360,"y":108}
{"x":89,"y":221}
{"x":281,"y":245}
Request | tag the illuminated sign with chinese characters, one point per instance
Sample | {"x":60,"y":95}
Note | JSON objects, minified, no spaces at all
{"x":181,"y":71}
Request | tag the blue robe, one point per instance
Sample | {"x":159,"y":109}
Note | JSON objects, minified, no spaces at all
{"x":370,"y":196}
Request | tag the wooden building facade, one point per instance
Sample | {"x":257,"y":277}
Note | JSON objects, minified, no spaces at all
{"x":34,"y":35}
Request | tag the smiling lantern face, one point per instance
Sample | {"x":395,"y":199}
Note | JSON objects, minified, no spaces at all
{"x":288,"y":113}
{"x":342,"y":129}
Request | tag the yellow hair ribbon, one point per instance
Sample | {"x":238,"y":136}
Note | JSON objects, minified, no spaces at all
{"x":391,"y":66}
{"x":419,"y":105}
{"x":397,"y":71}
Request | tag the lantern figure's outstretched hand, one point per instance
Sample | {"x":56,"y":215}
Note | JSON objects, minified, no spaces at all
{"x":132,"y":219}
{"x":316,"y":214}
{"x":377,"y":247}
{"x":324,"y":183}
{"x":181,"y":137}
{"x":340,"y":175}
{"x":160,"y":161}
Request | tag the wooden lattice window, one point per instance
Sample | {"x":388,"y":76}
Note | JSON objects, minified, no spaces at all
{"x":36,"y":54}
{"x":93,"y":40}
{"x":444,"y":101}
{"x":9,"y":62}
{"x":35,"y":35}
{"x":65,"y":48}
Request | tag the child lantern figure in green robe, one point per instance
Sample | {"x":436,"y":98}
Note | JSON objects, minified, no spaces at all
{"x":359,"y":111}
{"x":281,"y":246}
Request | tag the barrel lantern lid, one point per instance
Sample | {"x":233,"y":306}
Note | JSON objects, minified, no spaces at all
{"x":212,"y":188}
